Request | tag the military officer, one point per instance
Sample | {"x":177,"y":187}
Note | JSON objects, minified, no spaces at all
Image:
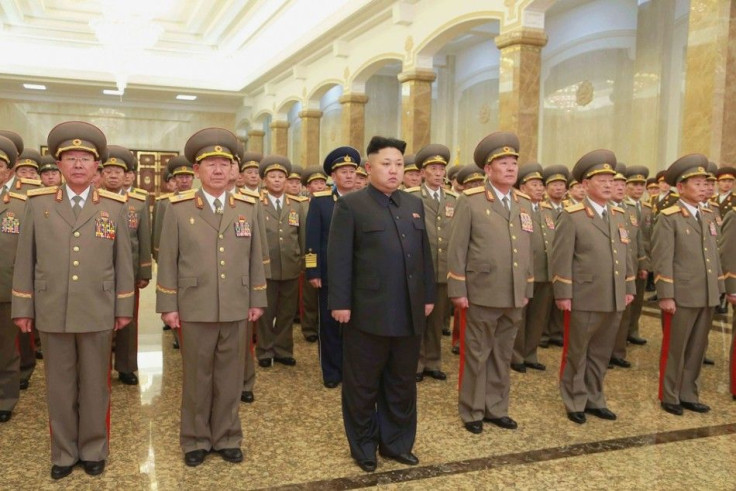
{"x":666,"y":196}
{"x":249,"y":169}
{"x":412,"y":176}
{"x":490,"y":273}
{"x":138,"y":224}
{"x":73,"y":279}
{"x":361,"y":176}
{"x":727,"y":246}
{"x":575,"y":193}
{"x":169,"y":183}
{"x":27,"y":165}
{"x":18,"y":181}
{"x":439,"y":209}
{"x":652,"y":188}
{"x":687,"y":273}
{"x":294,"y":181}
{"x":12,"y":205}
{"x":341,"y":165}
{"x":725,"y":199}
{"x":469,"y":176}
{"x":211,"y":282}
{"x":538,"y":311}
{"x":49,"y":171}
{"x":285,"y":228}
{"x":452,"y":176}
{"x":314,"y":180}
{"x":183,"y":174}
{"x":593,"y":281}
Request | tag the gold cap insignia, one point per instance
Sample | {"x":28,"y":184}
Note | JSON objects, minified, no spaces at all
{"x":76,"y":142}
{"x":218,"y":148}
{"x":113,"y":159}
{"x":348,"y":158}
{"x":701,"y":169}
{"x":606,"y":166}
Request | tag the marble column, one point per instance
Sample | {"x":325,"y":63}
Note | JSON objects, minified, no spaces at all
{"x":709,"y":116}
{"x":310,"y":137}
{"x":280,"y":138}
{"x":518,"y":84}
{"x":353,"y":120}
{"x":416,"y":107}
{"x":255,"y":141}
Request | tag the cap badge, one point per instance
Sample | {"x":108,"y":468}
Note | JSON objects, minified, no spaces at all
{"x":77,"y":142}
{"x":701,"y":169}
{"x":606,"y":166}
{"x":218,"y":148}
{"x":348,"y":158}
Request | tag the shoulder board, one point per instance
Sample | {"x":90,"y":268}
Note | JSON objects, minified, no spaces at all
{"x":475,"y":190}
{"x":115,"y":196}
{"x":451,"y":193}
{"x":319,"y":194}
{"x":140,"y":191}
{"x":178,"y":198}
{"x":42,"y":191}
{"x":523,"y":195}
{"x":618,"y":209}
{"x":163,"y":196}
{"x":248,"y":192}
{"x":413,"y":190}
{"x":708,"y":210}
{"x":575,"y":208}
{"x":671,"y":210}
{"x":137,"y":196}
{"x":300,"y":199}
{"x":544,"y":204}
{"x":647,"y":204}
{"x":674,"y":194}
{"x":35,"y":182}
{"x":19,"y":196}
{"x":630,"y":202}
{"x":244,"y":198}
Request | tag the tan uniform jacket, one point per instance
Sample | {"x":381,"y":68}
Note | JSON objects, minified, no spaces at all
{"x":73,"y":274}
{"x":262,"y":232}
{"x":210,"y":271}
{"x":633,"y":225}
{"x":682,"y":251}
{"x":490,"y":257}
{"x":437,"y":219}
{"x":139,"y":226}
{"x":586,"y":254}
{"x":727,"y":247}
{"x":544,"y":233}
{"x":660,"y":204}
{"x":724,"y":206}
{"x":12,"y":206}
{"x":285,"y":236}
{"x":157,"y":221}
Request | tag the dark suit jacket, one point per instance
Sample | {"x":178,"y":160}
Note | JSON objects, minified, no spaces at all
{"x":360,"y":274}
{"x":319,"y":218}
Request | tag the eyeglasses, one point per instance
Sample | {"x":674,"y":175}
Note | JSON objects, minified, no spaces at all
{"x":81,"y":160}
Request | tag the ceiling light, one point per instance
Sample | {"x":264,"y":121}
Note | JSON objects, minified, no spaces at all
{"x":112,"y":92}
{"x":34,"y":86}
{"x":184,"y":97}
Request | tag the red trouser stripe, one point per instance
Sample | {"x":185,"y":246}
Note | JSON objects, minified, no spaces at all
{"x":666,"y":326}
{"x":565,"y":339}
{"x":463,"y":312}
{"x":733,"y":362}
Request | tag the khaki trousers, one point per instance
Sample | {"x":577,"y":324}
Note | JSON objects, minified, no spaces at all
{"x":9,"y":360}
{"x":310,"y":308}
{"x":275,"y":326}
{"x":489,"y":342}
{"x":77,"y":369}
{"x":536,"y":315}
{"x":430,"y":352}
{"x":126,"y":343}
{"x":213,"y":354}
{"x":249,"y":367}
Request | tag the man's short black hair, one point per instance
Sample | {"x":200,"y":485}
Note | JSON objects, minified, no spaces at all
{"x":378,"y":143}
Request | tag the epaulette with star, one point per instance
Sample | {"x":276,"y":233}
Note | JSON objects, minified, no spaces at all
{"x":671,"y":210}
{"x":11,"y":194}
{"x":544,"y":204}
{"x":110,"y":195}
{"x":618,"y":209}
{"x":185,"y":196}
{"x":299,"y":199}
{"x":137,"y":196}
{"x":575,"y":208}
{"x":244,"y":198}
{"x":42,"y":191}
{"x":320,"y":194}
{"x":474,"y":191}
{"x":413,"y":189}
{"x":522,"y":195}
{"x":164,"y":196}
{"x":32,"y":182}
{"x":248,"y":192}
{"x":451,"y":193}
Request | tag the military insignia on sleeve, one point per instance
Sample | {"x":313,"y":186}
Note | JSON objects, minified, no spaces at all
{"x":449,"y":210}
{"x":11,"y":224}
{"x":293,"y":218}
{"x":104,"y":227}
{"x":132,"y":219}
{"x":526,"y":222}
{"x":242,"y":227}
{"x":623,"y":234}
{"x":310,"y":260}
{"x":713,"y":230}
{"x":550,"y":223}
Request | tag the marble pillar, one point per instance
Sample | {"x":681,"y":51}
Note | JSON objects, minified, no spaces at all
{"x":709,"y":117}
{"x":416,"y":107}
{"x":255,"y":141}
{"x":353,"y":120}
{"x":280,"y":138}
{"x":310,"y":137}
{"x":519,"y":74}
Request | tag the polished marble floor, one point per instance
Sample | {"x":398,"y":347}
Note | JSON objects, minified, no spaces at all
{"x":294,"y":437}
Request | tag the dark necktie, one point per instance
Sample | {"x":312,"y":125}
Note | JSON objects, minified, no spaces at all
{"x":604,"y":215}
{"x":218,"y":206}
{"x":76,"y":208}
{"x":278,"y":206}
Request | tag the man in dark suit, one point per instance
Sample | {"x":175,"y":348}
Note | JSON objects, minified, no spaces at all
{"x":382,"y":288}
{"x":340,"y":164}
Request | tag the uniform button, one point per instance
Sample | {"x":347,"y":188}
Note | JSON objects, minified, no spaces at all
{"x":411,"y":276}
{"x":511,"y":225}
{"x":221,"y":236}
{"x":76,"y":263}
{"x":222,"y":276}
{"x":281,"y":230}
{"x":614,"y":251}
{"x":707,"y":260}
{"x":397,"y":217}
{"x":516,"y":264}
{"x":408,"y":254}
{"x":439,"y":239}
{"x":705,"y":249}
{"x":515,"y":251}
{"x":75,"y":248}
{"x":616,"y":262}
{"x":222,"y":263}
{"x":439,"y":250}
{"x":616,"y":272}
{"x":75,"y":278}
{"x":403,"y":236}
{"x":439,"y":228}
{"x":76,"y":234}
{"x":281,"y":238}
{"x":222,"y":249}
{"x":513,"y":237}
{"x":710,"y":271}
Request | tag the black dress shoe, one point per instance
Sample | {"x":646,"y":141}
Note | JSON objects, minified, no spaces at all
{"x":234,"y":455}
{"x":59,"y":471}
{"x":24,"y":384}
{"x":721,"y":310}
{"x":475,"y":427}
{"x":39,"y":354}
{"x":557,"y":342}
{"x":94,"y":467}
{"x":601,"y":412}
{"x":620,"y":362}
{"x":331,"y":384}
{"x":503,"y":422}
{"x":518,"y":367}
{"x":697,"y":407}
{"x":636,"y":340}
{"x":419,"y":377}
{"x":576,"y":417}
{"x":675,"y":409}
{"x":194,"y":458}
{"x":436,"y":374}
{"x":265,"y":362}
{"x":535,"y":365}
{"x":312,"y":338}
{"x":175,"y":344}
{"x":247,"y":396}
{"x":544,"y":344}
{"x":367,"y":465}
{"x":5,"y":416}
{"x":166,"y":328}
{"x":446,"y":332}
{"x":456,"y":350}
{"x":286,"y":360}
{"x":407,"y":458}
{"x":708,"y":361}
{"x":128,"y":378}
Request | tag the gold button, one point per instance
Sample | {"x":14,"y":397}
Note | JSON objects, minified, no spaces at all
{"x":710,"y":271}
{"x":516,"y":264}
{"x":705,"y":249}
{"x":222,"y":249}
{"x":75,"y":248}
{"x":281,"y":238}
{"x":222,"y":263}
{"x":75,"y":278}
{"x":439,"y":239}
{"x":439,"y":250}
{"x":222,"y":276}
{"x":616,"y":262}
{"x":616,"y":272}
{"x":221,"y":236}
{"x":76,"y":263}
{"x":515,"y":251}
{"x":513,"y":237}
{"x":281,"y":230}
{"x":511,"y":225}
{"x":707,"y":260}
{"x":439,"y":228}
{"x":614,"y":251}
{"x":76,"y":234}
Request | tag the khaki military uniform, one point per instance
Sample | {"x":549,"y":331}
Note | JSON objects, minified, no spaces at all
{"x":490,"y":263}
{"x":724,"y":205}
{"x":211,"y":272}
{"x":74,"y":276}
{"x":727,"y":246}
{"x":590,"y":264}
{"x":554,"y":328}
{"x":438,"y":217}
{"x":157,"y":221}
{"x":687,"y":269}
{"x":308,"y":309}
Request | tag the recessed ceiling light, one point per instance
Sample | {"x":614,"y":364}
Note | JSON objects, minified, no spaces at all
{"x":184,"y":97}
{"x":112,"y":92}
{"x":34,"y":86}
